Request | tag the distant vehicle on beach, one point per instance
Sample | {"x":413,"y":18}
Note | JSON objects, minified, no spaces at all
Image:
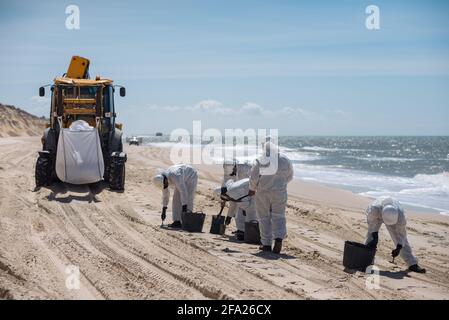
{"x":135,"y":141}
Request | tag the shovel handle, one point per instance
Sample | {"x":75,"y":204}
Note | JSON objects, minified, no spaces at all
{"x":221,"y":210}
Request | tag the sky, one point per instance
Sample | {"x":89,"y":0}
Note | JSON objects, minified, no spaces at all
{"x":302,"y":67}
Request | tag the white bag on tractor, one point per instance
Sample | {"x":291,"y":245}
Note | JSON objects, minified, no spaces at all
{"x":79,"y":159}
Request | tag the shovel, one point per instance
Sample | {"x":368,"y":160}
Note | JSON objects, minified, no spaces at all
{"x":218,"y":226}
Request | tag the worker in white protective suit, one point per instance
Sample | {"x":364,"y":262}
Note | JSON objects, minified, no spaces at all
{"x":234,"y":171}
{"x":389,"y":211}
{"x":236,"y":192}
{"x":183,"y":178}
{"x":270,"y":174}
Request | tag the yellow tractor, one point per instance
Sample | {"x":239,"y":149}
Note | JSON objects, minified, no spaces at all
{"x":89,"y":153}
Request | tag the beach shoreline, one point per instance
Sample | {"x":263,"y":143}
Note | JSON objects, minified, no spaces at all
{"x":358,"y":198}
{"x":313,"y":185}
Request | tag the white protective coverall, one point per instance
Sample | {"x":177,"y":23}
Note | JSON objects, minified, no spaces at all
{"x":236,"y":190}
{"x":397,"y":231}
{"x":183,"y":178}
{"x":241,"y":171}
{"x":271,"y":193}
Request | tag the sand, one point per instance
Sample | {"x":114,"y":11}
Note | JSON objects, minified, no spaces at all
{"x":116,"y":241}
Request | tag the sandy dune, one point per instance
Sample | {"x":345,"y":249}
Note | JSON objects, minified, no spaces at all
{"x":15,"y":122}
{"x":116,"y":241}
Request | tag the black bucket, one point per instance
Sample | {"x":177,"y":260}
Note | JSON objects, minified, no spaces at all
{"x":193,"y":221}
{"x":252,"y":233}
{"x":218,"y":225}
{"x":357,"y":256}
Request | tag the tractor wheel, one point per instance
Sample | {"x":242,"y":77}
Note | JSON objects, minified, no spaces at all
{"x":117,"y":173}
{"x":107,"y":169}
{"x":43,"y":171}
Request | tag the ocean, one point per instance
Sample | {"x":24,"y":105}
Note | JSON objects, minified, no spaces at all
{"x":414,"y":170}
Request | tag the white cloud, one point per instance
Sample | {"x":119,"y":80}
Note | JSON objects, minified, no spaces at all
{"x":163,"y":108}
{"x":252,"y":109}
{"x":212,"y":106}
{"x":295,"y":111}
{"x":208,"y":105}
{"x":339,"y":114}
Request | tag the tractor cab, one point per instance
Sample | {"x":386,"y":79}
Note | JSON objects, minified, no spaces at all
{"x":84,"y":99}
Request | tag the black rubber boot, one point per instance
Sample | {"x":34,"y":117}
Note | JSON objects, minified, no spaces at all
{"x":265,"y":248}
{"x":175,"y":225}
{"x":240,"y":235}
{"x":416,"y":268}
{"x":277,"y":246}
